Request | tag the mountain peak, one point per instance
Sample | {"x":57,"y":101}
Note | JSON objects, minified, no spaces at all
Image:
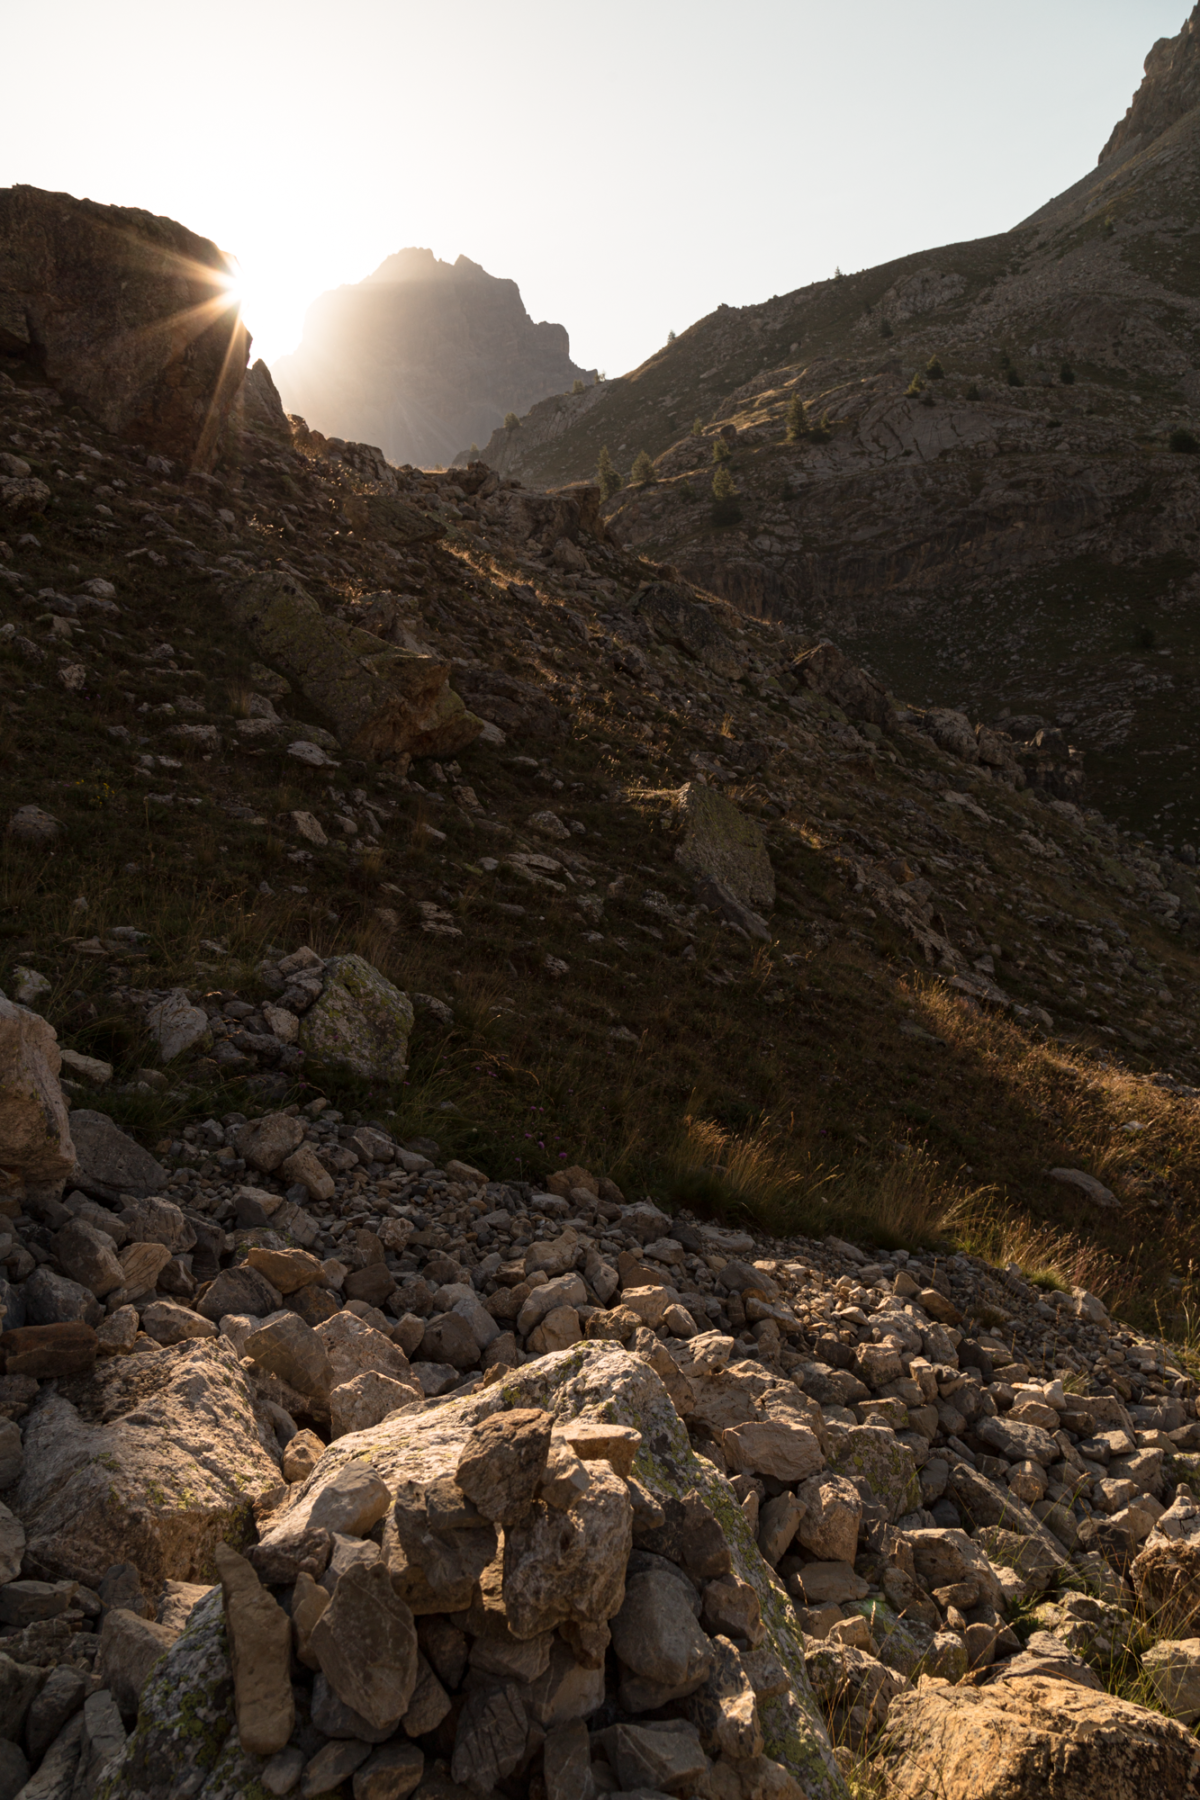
{"x":1170,"y":88}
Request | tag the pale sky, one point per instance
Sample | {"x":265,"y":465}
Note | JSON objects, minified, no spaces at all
{"x":630,"y":163}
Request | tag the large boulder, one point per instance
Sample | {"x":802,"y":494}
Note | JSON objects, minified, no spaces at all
{"x":108,"y":1163}
{"x":381,"y":700}
{"x":128,"y":315}
{"x":718,"y":840}
{"x":149,"y":1459}
{"x":675,"y":615}
{"x":361,"y":1023}
{"x":1031,"y":1739}
{"x":537,"y":1612}
{"x":35,"y":1137}
{"x":828,"y":671}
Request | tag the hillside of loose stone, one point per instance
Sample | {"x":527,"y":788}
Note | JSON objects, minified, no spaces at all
{"x":448,"y":1347}
{"x":964,"y":465}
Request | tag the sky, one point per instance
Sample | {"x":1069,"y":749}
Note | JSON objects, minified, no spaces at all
{"x":631,"y":164}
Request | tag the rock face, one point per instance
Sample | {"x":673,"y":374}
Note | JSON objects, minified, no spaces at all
{"x":151,"y":1459}
{"x":1170,"y":89}
{"x":126,"y":314}
{"x":35,"y":1139}
{"x":381,"y":700}
{"x":423,"y":358}
{"x":1020,"y":1743}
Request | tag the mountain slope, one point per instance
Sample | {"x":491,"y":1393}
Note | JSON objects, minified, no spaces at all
{"x":1010,"y":532}
{"x":422,"y":358}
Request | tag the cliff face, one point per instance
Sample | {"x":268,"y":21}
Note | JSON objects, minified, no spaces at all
{"x":991,"y":497}
{"x":1170,"y":89}
{"x":423,"y":358}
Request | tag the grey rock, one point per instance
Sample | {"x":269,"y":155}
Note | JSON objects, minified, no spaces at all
{"x":52,"y":1299}
{"x":59,"y":1700}
{"x":149,"y":1219}
{"x":354,"y":1501}
{"x":389,"y":1773}
{"x":334,"y":1763}
{"x":89,"y":1257}
{"x":490,"y":1737}
{"x":12,"y":1454}
{"x":657,"y":1638}
{"x":291,"y":1349}
{"x":55,"y":1779}
{"x":337,"y":1720}
{"x":14,"y":1769}
{"x":240,"y":1290}
{"x":108,"y":1163}
{"x":20,"y":1684}
{"x":366,"y":1644}
{"x":129,"y":1649}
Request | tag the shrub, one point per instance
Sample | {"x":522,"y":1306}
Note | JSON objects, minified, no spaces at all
{"x":916,"y":386}
{"x":720,"y":450}
{"x":577,"y":386}
{"x":511,"y":421}
{"x":606,"y":474}
{"x":670,"y":337}
{"x":934,"y":370}
{"x":474,"y":453}
{"x":1014,"y":378}
{"x":797,"y":424}
{"x":697,"y":428}
{"x":1066,"y":375}
{"x":726,"y":509}
{"x":643,"y":468}
{"x":885,"y":330}
{"x":1184,"y":441}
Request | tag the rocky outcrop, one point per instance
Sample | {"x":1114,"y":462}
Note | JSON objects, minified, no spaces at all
{"x":35,"y":1139}
{"x":1170,"y":88}
{"x":423,"y":358}
{"x":126,"y":315}
{"x":1021,"y":1742}
{"x":381,"y":701}
{"x":360,"y":1023}
{"x":717,"y":840}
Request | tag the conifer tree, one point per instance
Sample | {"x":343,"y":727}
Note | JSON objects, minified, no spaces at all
{"x":796,"y":421}
{"x":643,"y":468}
{"x":606,"y":474}
{"x":725,"y":509}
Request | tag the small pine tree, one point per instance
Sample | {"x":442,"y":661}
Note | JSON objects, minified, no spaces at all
{"x":825,"y":427}
{"x":720,"y":450}
{"x":1066,"y":375}
{"x":697,"y":428}
{"x":577,"y":386}
{"x":725,"y":508}
{"x":511,"y":421}
{"x":474,"y":453}
{"x":606,"y":474}
{"x":797,"y":424}
{"x":916,"y":386}
{"x":885,"y":329}
{"x":934,"y":370}
{"x":670,"y":337}
{"x":643,"y":469}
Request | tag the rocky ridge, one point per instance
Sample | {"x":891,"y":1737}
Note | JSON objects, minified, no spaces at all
{"x":981,"y":495}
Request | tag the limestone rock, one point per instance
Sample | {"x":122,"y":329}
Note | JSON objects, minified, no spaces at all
{"x":366,"y":1644}
{"x":501,"y":1466}
{"x":87,"y":1255}
{"x":129,"y":1648}
{"x":159,"y":1490}
{"x":34,"y":1130}
{"x":291,"y":1349}
{"x":176,"y":1025}
{"x":111,"y":297}
{"x":260,"y":1640}
{"x":657,"y":1637}
{"x":266,"y":1142}
{"x":719,"y":840}
{"x":833,"y":1511}
{"x":367,"y":1400}
{"x":882,"y":1468}
{"x":381,"y":701}
{"x":1174,"y":1670}
{"x":1016,"y":1742}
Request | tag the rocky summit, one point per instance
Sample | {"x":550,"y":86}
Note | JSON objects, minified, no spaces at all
{"x":447,"y":1346}
{"x":424,"y":358}
{"x":974,"y":467}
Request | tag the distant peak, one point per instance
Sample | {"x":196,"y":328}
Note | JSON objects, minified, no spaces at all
{"x":408,"y":265}
{"x":1170,"y":88}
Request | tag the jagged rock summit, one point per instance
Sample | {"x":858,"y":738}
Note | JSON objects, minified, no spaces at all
{"x":423,"y":358}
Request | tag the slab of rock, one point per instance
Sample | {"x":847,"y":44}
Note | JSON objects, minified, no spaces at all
{"x":108,"y":1163}
{"x":130,"y":1646}
{"x":88,"y":1256}
{"x":490,"y":1737}
{"x":45,"y":1351}
{"x":659,"y":1641}
{"x":287,"y":1270}
{"x":240,"y":1290}
{"x":149,"y":1219}
{"x":366,"y":1644}
{"x":390,"y":1772}
{"x":303,"y":1168}
{"x":351,"y":1501}
{"x":1019,"y":1741}
{"x":380,"y":700}
{"x":158,"y":1490}
{"x":367,"y":1400}
{"x":260,"y":1648}
{"x":12,"y":1545}
{"x":883,"y":1469}
{"x":34,"y":1127}
{"x":773,"y":1447}
{"x":169,"y":1323}
{"x":1173,"y":1666}
{"x":267,"y":1142}
{"x":832,"y":1515}
{"x":664,"y":1757}
{"x":719,"y":840}
{"x":176,"y":1025}
{"x":51,"y":1299}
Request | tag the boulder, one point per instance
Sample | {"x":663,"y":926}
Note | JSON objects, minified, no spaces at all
{"x":676,"y":616}
{"x":35,"y":1135}
{"x":716,"y":839}
{"x":108,"y":1163}
{"x":129,"y":1648}
{"x":884,"y":1470}
{"x":267,"y":1142}
{"x":828,"y":671}
{"x":380,"y":700}
{"x":128,"y":315}
{"x":87,"y":1255}
{"x":176,"y":1025}
{"x":1173,"y":1666}
{"x":150,"y":1459}
{"x":361,"y":1023}
{"x":260,"y":1645}
{"x":1024,"y":1740}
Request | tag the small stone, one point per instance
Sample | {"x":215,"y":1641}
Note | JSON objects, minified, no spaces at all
{"x":824,"y":1583}
{"x":286,"y":1270}
{"x":664,"y":1756}
{"x":773,"y":1447}
{"x":565,"y":1478}
{"x":777,"y":1522}
{"x":832,"y":1515}
{"x":281,"y":1774}
{"x":731,"y":1609}
{"x":301,"y":1455}
{"x":367,"y":1400}
{"x":289,"y":1550}
{"x":176,"y":1025}
{"x":334,"y":1763}
{"x":240,"y":1290}
{"x":595,"y":1441}
{"x":390,"y":1772}
{"x":169,"y":1323}
{"x":88,"y":1256}
{"x":302,"y":1168}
